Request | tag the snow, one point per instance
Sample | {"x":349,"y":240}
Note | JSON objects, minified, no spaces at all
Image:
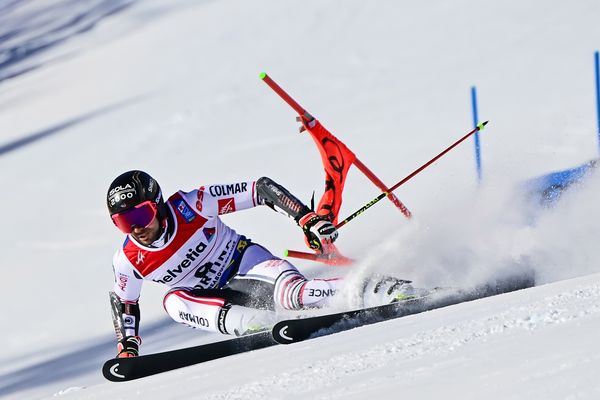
{"x":172,"y":87}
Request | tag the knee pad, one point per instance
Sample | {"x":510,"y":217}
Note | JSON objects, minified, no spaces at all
{"x":206,"y":313}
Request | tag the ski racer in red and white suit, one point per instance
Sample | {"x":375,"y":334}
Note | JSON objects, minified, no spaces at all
{"x":221,"y":281}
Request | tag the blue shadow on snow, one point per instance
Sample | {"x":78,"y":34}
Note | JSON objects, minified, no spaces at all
{"x":34,"y":137}
{"x":26,"y":34}
{"x":69,"y":367}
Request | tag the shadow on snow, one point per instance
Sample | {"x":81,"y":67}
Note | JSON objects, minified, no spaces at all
{"x":29,"y":29}
{"x":88,"y":359}
{"x":45,"y":133}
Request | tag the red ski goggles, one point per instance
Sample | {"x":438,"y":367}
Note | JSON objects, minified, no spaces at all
{"x":141,"y":216}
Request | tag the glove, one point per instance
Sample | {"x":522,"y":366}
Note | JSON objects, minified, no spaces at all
{"x":129,"y":346}
{"x":318,"y":230}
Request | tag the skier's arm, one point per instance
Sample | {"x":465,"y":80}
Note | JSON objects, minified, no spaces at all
{"x":126,"y":320}
{"x":277,"y":197}
{"x":125,"y":309}
{"x":318,"y":230}
{"x":214,"y":200}
{"x":222,"y":199}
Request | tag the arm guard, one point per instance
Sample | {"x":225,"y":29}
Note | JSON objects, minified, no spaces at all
{"x":125,"y":316}
{"x":280,"y":199}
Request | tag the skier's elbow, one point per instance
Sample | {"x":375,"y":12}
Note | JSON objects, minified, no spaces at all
{"x":263,"y":187}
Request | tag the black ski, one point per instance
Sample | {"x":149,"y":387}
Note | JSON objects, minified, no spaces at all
{"x":126,"y":369}
{"x":297,"y":330}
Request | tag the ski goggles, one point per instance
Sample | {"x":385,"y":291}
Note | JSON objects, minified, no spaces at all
{"x":141,"y":216}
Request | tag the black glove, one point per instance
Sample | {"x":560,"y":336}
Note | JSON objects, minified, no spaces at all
{"x":318,"y":230}
{"x":129,"y":346}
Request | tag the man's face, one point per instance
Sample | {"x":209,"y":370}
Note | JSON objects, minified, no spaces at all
{"x":148,"y":234}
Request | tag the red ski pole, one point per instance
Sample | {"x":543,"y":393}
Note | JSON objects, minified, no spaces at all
{"x":410,"y":176}
{"x":306,"y":116}
{"x":283,"y":94}
{"x":363,"y":168}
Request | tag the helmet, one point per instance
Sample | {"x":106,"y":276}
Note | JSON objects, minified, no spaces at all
{"x":131,"y":189}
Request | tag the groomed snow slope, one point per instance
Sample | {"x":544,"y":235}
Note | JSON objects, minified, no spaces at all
{"x":535,"y":344}
{"x":172,"y":87}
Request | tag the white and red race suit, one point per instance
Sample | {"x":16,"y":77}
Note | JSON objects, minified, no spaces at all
{"x":198,"y":256}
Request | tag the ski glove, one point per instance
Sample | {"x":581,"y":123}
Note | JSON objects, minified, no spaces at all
{"x":318,"y":230}
{"x":129,"y":346}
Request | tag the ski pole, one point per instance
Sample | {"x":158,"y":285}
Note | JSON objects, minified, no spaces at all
{"x":412,"y":174}
{"x":362,"y":167}
{"x":283,"y":94}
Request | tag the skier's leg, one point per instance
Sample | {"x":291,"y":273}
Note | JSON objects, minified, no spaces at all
{"x":277,"y":282}
{"x":212,"y":310}
{"x":272,"y":282}
{"x":317,"y":293}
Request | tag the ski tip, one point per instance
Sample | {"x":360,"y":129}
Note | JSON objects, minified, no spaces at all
{"x":262,"y":75}
{"x":286,"y":252}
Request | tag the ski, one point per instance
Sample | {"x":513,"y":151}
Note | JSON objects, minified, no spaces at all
{"x":126,"y":369}
{"x":297,"y":330}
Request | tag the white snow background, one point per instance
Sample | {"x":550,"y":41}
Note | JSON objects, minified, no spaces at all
{"x":93,"y":88}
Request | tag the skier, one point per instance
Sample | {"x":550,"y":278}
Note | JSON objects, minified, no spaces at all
{"x":220,"y":280}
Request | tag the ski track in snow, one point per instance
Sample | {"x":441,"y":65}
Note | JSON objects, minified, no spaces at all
{"x":377,"y":364}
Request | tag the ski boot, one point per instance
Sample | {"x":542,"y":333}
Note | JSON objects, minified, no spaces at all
{"x":385,"y":290}
{"x":241,"y":320}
